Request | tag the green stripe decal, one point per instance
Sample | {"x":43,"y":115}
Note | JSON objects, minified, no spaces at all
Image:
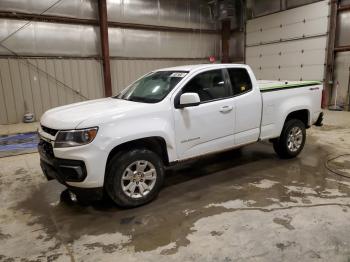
{"x":286,"y":86}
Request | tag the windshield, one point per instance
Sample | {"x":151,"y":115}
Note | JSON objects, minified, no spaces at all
{"x":153,"y":87}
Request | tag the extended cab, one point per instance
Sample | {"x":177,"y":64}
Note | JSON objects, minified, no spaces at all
{"x":120,"y":145}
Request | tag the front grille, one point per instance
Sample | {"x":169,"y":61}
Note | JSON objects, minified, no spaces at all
{"x":46,"y":148}
{"x":48,"y":130}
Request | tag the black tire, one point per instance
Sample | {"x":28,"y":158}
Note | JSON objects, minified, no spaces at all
{"x":115,"y":170}
{"x":280,"y":144}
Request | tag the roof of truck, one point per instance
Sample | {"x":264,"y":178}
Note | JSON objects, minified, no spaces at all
{"x":264,"y":85}
{"x":199,"y":66}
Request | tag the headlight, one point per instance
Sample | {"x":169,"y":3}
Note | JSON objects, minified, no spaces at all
{"x":78,"y":137}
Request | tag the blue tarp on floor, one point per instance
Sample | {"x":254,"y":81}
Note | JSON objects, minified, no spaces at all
{"x":18,"y":144}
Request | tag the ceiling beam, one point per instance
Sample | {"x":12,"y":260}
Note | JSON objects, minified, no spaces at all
{"x":93,"y":22}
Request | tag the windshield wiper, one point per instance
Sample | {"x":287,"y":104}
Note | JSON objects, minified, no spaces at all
{"x":143,"y":99}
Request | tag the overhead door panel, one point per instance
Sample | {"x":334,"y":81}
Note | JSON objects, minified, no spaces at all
{"x":289,"y":45}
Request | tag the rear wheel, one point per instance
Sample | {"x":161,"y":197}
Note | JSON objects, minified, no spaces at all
{"x":292,"y":139}
{"x":134,"y":177}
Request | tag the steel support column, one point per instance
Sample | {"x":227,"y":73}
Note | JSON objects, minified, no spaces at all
{"x":329,"y":70}
{"x":102,"y":8}
{"x":225,"y":40}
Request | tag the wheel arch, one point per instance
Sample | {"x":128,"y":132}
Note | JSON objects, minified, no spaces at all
{"x":156,"y":144}
{"x":302,"y":114}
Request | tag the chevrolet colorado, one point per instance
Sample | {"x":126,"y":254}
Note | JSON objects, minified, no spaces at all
{"x":120,"y":145}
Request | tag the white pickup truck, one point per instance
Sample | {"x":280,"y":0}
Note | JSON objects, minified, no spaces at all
{"x":120,"y":145}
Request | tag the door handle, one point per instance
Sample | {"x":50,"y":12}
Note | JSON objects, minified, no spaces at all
{"x":226,"y":109}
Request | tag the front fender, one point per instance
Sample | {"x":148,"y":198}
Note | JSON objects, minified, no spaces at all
{"x":136,"y":128}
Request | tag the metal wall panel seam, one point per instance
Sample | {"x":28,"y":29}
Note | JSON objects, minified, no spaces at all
{"x":75,"y":79}
{"x":33,"y":75}
{"x":41,"y":92}
{"x":289,"y":66}
{"x":302,"y":51}
{"x":43,"y":81}
{"x":83,"y":84}
{"x":283,"y":25}
{"x":16,"y":89}
{"x":3,"y":113}
{"x":68,"y":81}
{"x":78,"y":77}
{"x":52,"y":84}
{"x":48,"y":84}
{"x":8,"y":91}
{"x":21,"y":88}
{"x":287,"y":40}
{"x":25,"y":73}
{"x":89,"y":76}
{"x":95,"y":79}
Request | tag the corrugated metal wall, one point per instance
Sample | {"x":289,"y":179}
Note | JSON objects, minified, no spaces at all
{"x":126,"y":71}
{"x":45,"y":65}
{"x":38,"y":84}
{"x":53,"y":39}
{"x":68,"y":8}
{"x":35,"y":85}
{"x":177,"y":13}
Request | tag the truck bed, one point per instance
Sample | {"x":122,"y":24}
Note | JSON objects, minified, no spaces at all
{"x":270,"y":85}
{"x":291,"y":97}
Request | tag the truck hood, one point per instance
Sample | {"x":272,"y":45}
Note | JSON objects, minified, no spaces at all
{"x":71,"y":116}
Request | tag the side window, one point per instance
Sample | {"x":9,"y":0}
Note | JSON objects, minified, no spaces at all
{"x":209,"y":85}
{"x":240,"y":80}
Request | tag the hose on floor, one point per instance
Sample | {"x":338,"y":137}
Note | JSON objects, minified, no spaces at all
{"x":332,"y":170}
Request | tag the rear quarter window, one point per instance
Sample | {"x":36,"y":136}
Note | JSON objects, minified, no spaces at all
{"x":240,"y":80}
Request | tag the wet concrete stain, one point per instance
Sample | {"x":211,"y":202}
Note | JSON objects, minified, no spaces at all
{"x":4,"y":236}
{"x":199,"y":183}
{"x":286,"y":222}
{"x":110,"y":248}
{"x":216,"y":233}
{"x":53,"y":257}
{"x":283,"y":246}
{"x":20,"y":171}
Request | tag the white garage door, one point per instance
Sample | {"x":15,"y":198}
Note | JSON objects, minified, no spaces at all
{"x":289,"y":45}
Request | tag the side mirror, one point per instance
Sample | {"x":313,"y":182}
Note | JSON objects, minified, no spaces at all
{"x":189,"y":99}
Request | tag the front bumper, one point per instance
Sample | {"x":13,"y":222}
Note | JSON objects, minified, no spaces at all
{"x":66,"y":171}
{"x":63,"y":170}
{"x":85,"y":164}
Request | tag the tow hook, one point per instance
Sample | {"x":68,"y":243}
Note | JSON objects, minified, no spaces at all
{"x":73,"y":197}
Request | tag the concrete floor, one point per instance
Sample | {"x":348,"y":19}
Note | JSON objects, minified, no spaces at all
{"x":243,"y":205}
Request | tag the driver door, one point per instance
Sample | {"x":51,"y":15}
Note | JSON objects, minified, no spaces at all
{"x":208,"y":127}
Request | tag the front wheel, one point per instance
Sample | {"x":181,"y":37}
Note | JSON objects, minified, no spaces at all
{"x":292,"y":139}
{"x":134,"y":177}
